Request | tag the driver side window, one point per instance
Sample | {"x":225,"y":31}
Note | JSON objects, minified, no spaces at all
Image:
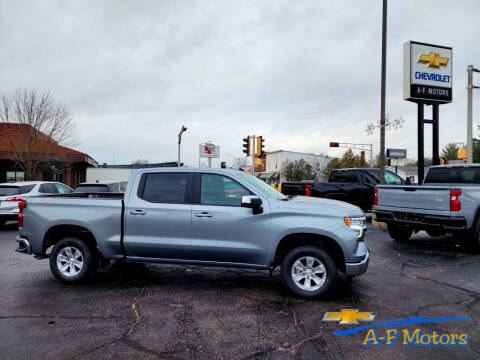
{"x":392,"y":179}
{"x":221,"y":190}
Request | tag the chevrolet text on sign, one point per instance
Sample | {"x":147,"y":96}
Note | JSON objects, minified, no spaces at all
{"x":427,"y":72}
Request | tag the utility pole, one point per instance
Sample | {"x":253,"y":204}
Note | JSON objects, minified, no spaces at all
{"x":470,"y":87}
{"x":182,"y":130}
{"x":382,"y":96}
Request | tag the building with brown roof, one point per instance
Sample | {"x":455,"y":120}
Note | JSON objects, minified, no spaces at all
{"x":59,"y":163}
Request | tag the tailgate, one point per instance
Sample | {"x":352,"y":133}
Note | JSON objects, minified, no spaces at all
{"x":415,"y":197}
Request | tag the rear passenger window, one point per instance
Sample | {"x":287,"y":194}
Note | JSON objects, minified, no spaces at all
{"x":26,"y":189}
{"x":166,"y":188}
{"x":48,"y":189}
{"x":346,"y":176}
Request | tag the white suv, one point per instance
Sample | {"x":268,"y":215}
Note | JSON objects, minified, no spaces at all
{"x":10,"y":192}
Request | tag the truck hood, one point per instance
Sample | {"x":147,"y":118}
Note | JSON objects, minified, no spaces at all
{"x":322,"y":206}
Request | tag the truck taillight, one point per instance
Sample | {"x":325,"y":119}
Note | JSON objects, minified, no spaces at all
{"x":375,"y":196}
{"x":307,"y":190}
{"x":455,"y":204}
{"x":22,"y":204}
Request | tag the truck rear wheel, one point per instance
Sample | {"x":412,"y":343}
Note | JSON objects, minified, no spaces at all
{"x":474,"y":239}
{"x":308,"y":271}
{"x":72,"y":261}
{"x":400,"y":233}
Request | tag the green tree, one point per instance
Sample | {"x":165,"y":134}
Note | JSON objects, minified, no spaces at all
{"x":348,"y":160}
{"x":298,"y":170}
{"x":376,"y":164}
{"x":476,"y":150}
{"x":449,"y":152}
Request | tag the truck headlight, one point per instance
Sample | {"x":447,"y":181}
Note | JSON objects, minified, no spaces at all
{"x":356,"y":223}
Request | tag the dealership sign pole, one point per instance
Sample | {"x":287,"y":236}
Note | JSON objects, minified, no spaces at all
{"x":427,"y":80}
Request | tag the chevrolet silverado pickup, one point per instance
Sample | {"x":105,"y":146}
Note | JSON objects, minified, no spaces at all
{"x":355,"y":186}
{"x":448,"y":201}
{"x":197,"y":216}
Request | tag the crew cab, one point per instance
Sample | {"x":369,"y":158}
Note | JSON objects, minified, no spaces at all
{"x":355,"y":186}
{"x":448,"y":201}
{"x":198,"y":216}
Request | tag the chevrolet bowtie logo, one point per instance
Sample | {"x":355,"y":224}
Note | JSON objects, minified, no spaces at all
{"x":349,"y":316}
{"x":432,"y":59}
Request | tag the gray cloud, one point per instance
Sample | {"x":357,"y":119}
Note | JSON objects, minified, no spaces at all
{"x":301,"y":74}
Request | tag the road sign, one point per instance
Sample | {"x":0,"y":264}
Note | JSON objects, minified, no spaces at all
{"x":427,"y":72}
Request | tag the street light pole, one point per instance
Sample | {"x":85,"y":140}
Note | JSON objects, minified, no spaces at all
{"x":182,"y":130}
{"x":470,"y":87}
{"x":382,"y":96}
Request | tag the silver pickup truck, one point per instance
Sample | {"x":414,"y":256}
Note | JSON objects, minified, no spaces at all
{"x":448,"y":201}
{"x":198,"y":216}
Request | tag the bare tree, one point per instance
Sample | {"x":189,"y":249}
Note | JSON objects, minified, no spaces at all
{"x":390,"y":124}
{"x":140,"y":162}
{"x":36,"y":123}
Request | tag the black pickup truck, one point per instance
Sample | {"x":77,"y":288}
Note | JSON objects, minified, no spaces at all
{"x":355,"y":186}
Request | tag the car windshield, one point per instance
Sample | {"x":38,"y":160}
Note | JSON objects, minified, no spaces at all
{"x":9,"y":190}
{"x":263,"y":187}
{"x":91,"y":188}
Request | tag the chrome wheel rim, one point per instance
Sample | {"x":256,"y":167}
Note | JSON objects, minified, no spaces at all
{"x":69,"y":261}
{"x":309,"y":273}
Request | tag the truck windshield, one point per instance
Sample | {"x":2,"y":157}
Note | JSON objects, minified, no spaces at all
{"x":455,"y":175}
{"x":263,"y":187}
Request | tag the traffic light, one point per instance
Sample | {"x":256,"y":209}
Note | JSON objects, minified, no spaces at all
{"x":260,"y":146}
{"x":334,"y":144}
{"x":246,"y":145}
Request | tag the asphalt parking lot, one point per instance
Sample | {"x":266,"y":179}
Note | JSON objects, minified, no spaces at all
{"x":158,"y":311}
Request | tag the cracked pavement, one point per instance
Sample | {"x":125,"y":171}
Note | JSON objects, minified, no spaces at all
{"x":186,"y":312}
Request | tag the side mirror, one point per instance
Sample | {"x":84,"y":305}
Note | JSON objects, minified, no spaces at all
{"x":253,"y":202}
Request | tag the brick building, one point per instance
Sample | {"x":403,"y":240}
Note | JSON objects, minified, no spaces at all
{"x":62,"y":163}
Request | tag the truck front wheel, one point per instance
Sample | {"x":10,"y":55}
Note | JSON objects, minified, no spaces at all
{"x":308,"y":271}
{"x":400,"y":233}
{"x":71,"y":260}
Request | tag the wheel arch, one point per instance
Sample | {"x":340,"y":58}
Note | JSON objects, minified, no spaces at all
{"x":291,"y":241}
{"x":58,"y":232}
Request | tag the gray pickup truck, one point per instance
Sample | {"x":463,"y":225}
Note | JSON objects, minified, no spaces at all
{"x":202,"y":217}
{"x":448,"y":201}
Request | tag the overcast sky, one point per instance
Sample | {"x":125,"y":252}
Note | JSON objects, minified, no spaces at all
{"x":300,"y":73}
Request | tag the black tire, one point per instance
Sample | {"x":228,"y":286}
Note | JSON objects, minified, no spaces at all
{"x":474,"y":239}
{"x":400,"y":233}
{"x":302,"y":252}
{"x":82,"y":252}
{"x":2,"y":222}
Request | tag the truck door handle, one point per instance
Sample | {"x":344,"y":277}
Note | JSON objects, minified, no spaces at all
{"x":138,"y":212}
{"x":203,"y":214}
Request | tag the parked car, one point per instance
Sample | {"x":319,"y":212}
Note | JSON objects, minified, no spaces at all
{"x":448,"y":201}
{"x":10,"y":192}
{"x":198,"y":216}
{"x":355,"y":186}
{"x":101,"y":186}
